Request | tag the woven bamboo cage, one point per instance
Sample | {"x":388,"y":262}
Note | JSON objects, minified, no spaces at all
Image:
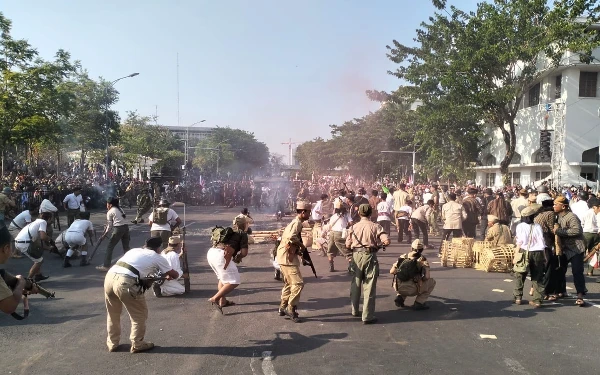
{"x":497,"y":259}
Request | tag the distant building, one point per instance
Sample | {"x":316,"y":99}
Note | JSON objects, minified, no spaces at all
{"x":195,"y":132}
{"x":558,"y":130}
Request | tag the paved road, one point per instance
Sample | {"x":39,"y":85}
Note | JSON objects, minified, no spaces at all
{"x":67,"y":335}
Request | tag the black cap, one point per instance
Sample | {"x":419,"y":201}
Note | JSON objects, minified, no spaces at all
{"x":154,"y":242}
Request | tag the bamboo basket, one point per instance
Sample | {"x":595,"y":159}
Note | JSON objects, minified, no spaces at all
{"x":478,"y":248}
{"x":497,"y":259}
{"x":456,"y":254}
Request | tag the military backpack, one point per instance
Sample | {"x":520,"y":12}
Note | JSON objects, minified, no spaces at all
{"x":407,"y":268}
{"x":221,"y":235}
{"x":160,"y":215}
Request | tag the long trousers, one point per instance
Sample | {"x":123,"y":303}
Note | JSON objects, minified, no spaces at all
{"x":120,"y":233}
{"x":293,"y":283}
{"x":116,"y":294}
{"x":366,"y":270}
{"x":418,"y":227}
{"x":536,"y":270}
{"x":403,"y":229}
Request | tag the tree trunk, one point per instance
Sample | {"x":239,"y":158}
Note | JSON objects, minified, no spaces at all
{"x":510,"y":139}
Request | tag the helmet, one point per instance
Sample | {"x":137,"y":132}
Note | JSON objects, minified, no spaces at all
{"x":164,"y":203}
{"x":583,"y":195}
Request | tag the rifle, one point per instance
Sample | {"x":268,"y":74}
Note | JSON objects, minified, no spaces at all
{"x":557,"y":244}
{"x":96,"y":247}
{"x":306,"y":261}
{"x":184,"y":259}
{"x":591,"y":253}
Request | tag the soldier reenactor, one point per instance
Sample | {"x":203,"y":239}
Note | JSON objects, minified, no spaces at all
{"x":144,"y":203}
{"x":288,"y":258}
{"x":362,"y":243}
{"x":412,"y":277}
{"x":5,"y":202}
{"x":162,"y":220}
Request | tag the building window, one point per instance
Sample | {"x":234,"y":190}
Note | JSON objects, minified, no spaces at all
{"x":541,"y":175}
{"x":588,"y":82}
{"x":516,"y":159}
{"x":490,"y":179}
{"x":558,"y":87}
{"x":515,"y":178}
{"x":534,"y":95}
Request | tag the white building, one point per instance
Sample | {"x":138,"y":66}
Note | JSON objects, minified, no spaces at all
{"x":565,"y":101}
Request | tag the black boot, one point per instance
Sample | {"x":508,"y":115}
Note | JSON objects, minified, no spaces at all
{"x":331,"y":268}
{"x":293,"y":314}
{"x":83,"y":261}
{"x":66,"y":263}
{"x":277,"y":275}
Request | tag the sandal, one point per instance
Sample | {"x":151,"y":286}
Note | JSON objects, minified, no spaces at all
{"x":580,"y":302}
{"x":535,"y":305}
{"x":551,"y":298}
{"x":531,"y":292}
{"x":560,"y":295}
{"x":228,"y":303}
{"x":217,"y":306}
{"x":517,"y":301}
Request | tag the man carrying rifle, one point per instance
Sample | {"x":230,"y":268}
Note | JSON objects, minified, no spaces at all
{"x":288,"y":257}
{"x":125,"y":285}
{"x":362,"y":243}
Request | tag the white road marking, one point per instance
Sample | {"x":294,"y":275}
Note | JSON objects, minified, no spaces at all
{"x":508,"y":280}
{"x":498,"y":290}
{"x":592,"y":303}
{"x":515,"y":366}
{"x":569,"y":288}
{"x":267,"y":365}
{"x":252,"y":360}
{"x":493,"y":337}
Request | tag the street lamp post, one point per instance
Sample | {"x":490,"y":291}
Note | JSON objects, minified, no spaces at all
{"x":107,"y":166}
{"x":187,"y":140}
{"x":414,"y":153}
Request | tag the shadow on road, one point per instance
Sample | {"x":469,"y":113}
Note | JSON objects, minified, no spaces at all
{"x":284,"y":344}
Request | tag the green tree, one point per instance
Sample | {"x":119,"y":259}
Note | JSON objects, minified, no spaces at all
{"x":487,"y":59}
{"x":233,"y":150}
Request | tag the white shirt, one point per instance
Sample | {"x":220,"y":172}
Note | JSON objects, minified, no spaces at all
{"x":542,"y":197}
{"x":589,"y":222}
{"x":173,"y":260}
{"x":47,"y":206}
{"x":73,"y":202}
{"x":408,"y":210}
{"x":339,"y":222}
{"x":316,"y":213}
{"x":537,"y":237}
{"x":146,"y":261}
{"x":115,"y":218}
{"x":81,"y":226}
{"x":580,"y":208}
{"x":390,"y":201}
{"x":21,"y":220}
{"x":384,"y":211}
{"x":33,"y":228}
{"x":171,"y":219}
{"x":426,"y":197}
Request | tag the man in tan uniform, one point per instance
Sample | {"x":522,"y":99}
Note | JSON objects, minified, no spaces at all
{"x":498,"y":234}
{"x":288,"y":252}
{"x":412,"y":277}
{"x":362,"y":243}
{"x":5,"y":203}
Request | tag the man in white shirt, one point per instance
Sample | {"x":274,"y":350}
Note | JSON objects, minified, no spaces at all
{"x":171,"y":254}
{"x":18,"y":223}
{"x":419,"y":220}
{"x":72,"y":204}
{"x":121,"y":288}
{"x":30,"y":241}
{"x":580,"y":208}
{"x":384,"y":213}
{"x":162,"y":221}
{"x":75,"y":238}
{"x":403,"y":219}
{"x":427,"y":195}
{"x":590,"y":227}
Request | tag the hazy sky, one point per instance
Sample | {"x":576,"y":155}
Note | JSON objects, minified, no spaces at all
{"x":281,"y":69}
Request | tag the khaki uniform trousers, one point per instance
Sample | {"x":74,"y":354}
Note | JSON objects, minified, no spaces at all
{"x":432,"y":220}
{"x":365,"y":267}
{"x":163,"y":234}
{"x":293,"y":283}
{"x":116,"y":294}
{"x":410,"y":288}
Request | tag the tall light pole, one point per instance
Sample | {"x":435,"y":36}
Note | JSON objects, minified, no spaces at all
{"x":187,"y":140}
{"x":414,"y":153}
{"x":107,"y":166}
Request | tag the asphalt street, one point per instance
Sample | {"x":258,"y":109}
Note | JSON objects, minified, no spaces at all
{"x":471,"y":328}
